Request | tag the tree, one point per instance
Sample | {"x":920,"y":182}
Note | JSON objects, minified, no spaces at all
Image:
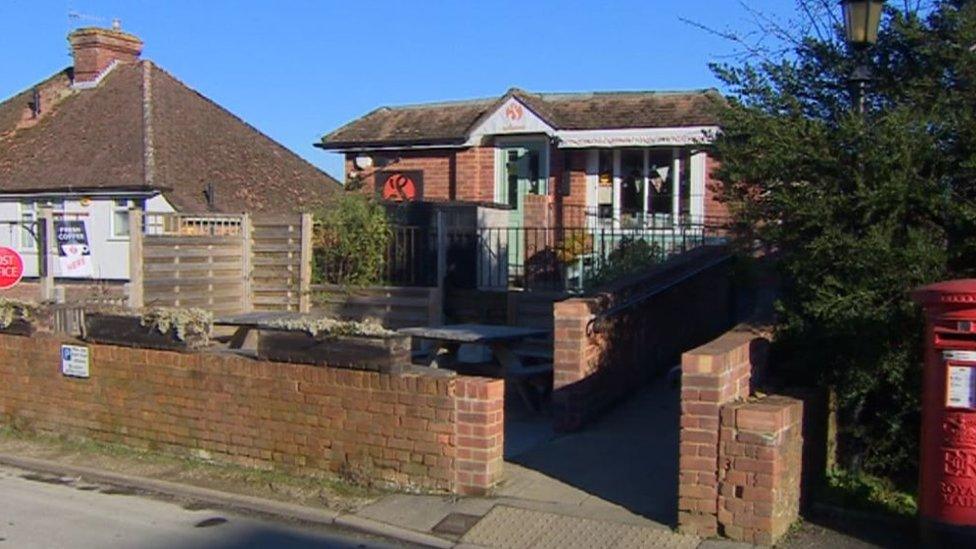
{"x":859,"y":208}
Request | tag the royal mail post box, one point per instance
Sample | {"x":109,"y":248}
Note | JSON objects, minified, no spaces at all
{"x":947,"y":476}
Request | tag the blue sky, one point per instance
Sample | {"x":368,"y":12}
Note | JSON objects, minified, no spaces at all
{"x":298,"y":69}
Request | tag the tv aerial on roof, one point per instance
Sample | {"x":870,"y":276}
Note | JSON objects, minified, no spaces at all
{"x":74,"y":16}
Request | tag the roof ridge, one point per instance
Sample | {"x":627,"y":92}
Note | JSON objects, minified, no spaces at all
{"x":447,"y":103}
{"x":148,"y":143}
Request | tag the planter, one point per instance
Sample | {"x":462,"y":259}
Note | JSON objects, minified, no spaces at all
{"x":128,"y":331}
{"x":19,"y":327}
{"x":387,"y":354}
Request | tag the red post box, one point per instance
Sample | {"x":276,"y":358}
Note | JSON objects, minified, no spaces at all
{"x":947,"y":476}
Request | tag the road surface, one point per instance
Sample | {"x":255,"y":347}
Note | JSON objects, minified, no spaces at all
{"x":42,"y":511}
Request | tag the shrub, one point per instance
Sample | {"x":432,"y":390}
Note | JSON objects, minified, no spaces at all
{"x":350,"y":241}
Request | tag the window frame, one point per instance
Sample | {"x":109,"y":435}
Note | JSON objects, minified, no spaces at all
{"x":118,"y":207}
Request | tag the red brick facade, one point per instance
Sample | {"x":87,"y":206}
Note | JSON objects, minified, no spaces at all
{"x":469,"y":175}
{"x":418,"y":431}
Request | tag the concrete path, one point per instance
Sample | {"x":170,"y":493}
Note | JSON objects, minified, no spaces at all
{"x":614,"y":484}
{"x":626,"y":460}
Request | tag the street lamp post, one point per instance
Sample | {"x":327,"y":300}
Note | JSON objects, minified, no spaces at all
{"x":861,"y":21}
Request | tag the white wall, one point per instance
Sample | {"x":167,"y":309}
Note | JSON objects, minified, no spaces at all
{"x":109,"y":255}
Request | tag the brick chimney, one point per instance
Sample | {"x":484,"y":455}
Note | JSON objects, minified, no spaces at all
{"x":95,"y":49}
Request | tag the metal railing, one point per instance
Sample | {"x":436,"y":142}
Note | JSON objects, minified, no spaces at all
{"x":577,"y":258}
{"x":569,"y":258}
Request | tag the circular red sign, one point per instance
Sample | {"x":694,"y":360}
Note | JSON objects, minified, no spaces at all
{"x":11,"y":267}
{"x":399,"y":187}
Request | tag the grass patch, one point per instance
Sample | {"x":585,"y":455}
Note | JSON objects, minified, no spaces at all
{"x":276,"y":483}
{"x":864,"y":492}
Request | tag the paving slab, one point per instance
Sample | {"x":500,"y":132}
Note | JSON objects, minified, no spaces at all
{"x":516,"y":528}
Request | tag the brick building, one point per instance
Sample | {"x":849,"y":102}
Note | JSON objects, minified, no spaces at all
{"x":618,"y":159}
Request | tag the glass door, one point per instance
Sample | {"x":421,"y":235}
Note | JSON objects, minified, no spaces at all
{"x":520,"y":175}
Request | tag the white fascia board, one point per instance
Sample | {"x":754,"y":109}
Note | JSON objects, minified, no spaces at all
{"x":107,"y":193}
{"x":637,"y":137}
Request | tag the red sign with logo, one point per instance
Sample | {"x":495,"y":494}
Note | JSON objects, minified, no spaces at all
{"x":404,"y":186}
{"x":11,"y":267}
{"x":514,"y":112}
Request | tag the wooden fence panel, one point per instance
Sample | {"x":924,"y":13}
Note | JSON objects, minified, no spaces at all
{"x":394,"y":306}
{"x":280,"y":257}
{"x":195,"y":262}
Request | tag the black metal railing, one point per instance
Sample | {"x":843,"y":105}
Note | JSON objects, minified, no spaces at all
{"x":567,"y":258}
{"x":577,"y":258}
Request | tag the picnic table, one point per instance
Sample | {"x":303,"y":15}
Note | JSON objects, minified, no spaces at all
{"x":248,"y":322}
{"x":500,"y":339}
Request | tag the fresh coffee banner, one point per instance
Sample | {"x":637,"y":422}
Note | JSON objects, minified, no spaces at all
{"x":74,"y":253}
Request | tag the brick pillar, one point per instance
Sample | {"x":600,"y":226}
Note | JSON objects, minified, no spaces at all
{"x":760,"y":453}
{"x":480,"y":407}
{"x":571,"y":365}
{"x":711,"y":376}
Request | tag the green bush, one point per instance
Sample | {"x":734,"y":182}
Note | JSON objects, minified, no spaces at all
{"x":630,"y":256}
{"x":350,"y":242}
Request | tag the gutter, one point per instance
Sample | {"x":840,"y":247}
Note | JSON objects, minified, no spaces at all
{"x":130,"y":192}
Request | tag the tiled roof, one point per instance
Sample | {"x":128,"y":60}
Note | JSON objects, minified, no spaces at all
{"x":140,"y":127}
{"x":451,"y":122}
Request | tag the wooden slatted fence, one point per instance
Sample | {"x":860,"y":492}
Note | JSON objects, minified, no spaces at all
{"x":281,"y":262}
{"x":195,"y":261}
{"x":394,"y":306}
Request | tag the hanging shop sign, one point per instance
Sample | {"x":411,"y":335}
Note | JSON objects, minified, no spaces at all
{"x":74,"y":253}
{"x":400,"y":186}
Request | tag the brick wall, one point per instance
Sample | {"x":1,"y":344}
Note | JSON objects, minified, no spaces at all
{"x":462,"y":174}
{"x":740,"y":461}
{"x":711,"y":376}
{"x":427,"y":430}
{"x":476,"y":174}
{"x":594,"y":367}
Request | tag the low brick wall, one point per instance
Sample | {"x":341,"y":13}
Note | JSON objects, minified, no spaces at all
{"x":594,"y":367}
{"x":428,"y":430}
{"x":760,"y":469}
{"x":740,"y":460}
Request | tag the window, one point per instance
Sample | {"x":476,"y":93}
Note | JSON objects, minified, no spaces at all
{"x":660,"y":190}
{"x":28,"y":217}
{"x":565,"y":188}
{"x":632,"y":181}
{"x":604,"y":193}
{"x":120,"y":218}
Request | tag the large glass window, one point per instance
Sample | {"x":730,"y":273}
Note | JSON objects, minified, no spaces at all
{"x":684,"y":186}
{"x":604,"y":192}
{"x":631,"y":181}
{"x":660,"y":192}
